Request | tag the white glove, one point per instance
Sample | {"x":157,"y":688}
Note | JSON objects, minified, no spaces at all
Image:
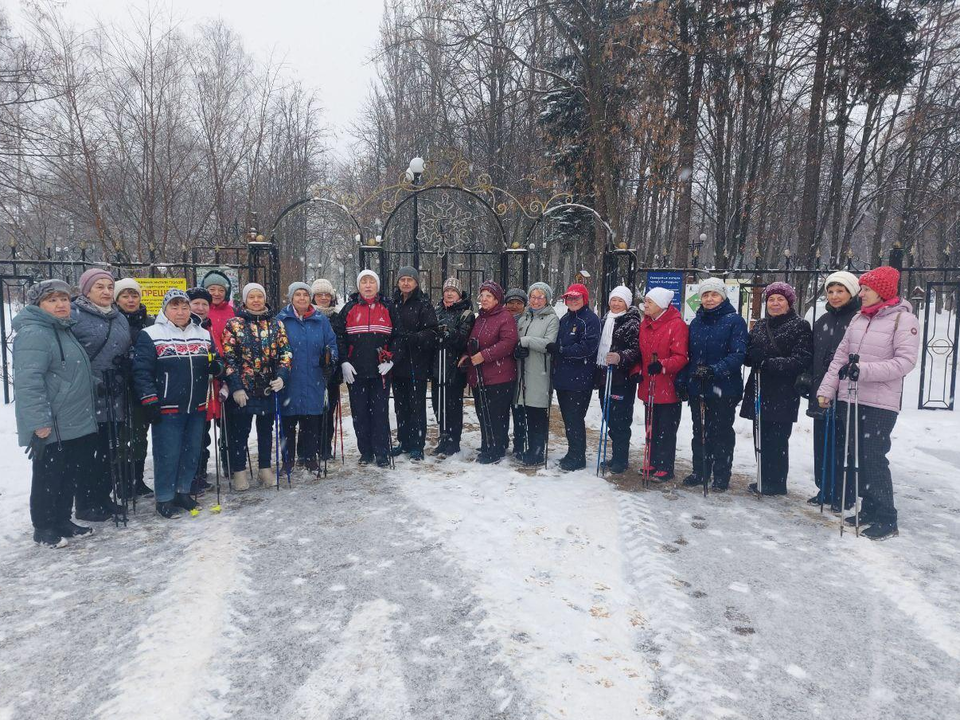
{"x":349,"y":373}
{"x":224,"y":391}
{"x":240,"y":397}
{"x":385,"y":367}
{"x":276,"y":384}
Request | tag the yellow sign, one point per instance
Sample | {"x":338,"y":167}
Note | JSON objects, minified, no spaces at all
{"x":155,"y":288}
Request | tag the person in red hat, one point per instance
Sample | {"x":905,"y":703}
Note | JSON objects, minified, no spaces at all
{"x":878,"y":350}
{"x":575,"y":354}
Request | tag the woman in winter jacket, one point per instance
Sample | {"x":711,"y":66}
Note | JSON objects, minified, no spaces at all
{"x":127,"y":294}
{"x":713,"y":383}
{"x":779,"y":349}
{"x":365,"y":326}
{"x":492,"y":371}
{"x":105,"y":335}
{"x":618,"y":352}
{"x":663,"y":348}
{"x":878,"y":350}
{"x":455,"y":319}
{"x":257,"y":355}
{"x":303,"y":399}
{"x":325,"y":301}
{"x":220,"y":288}
{"x":538,"y":327}
{"x":54,"y":409}
{"x":574,"y":362}
{"x":842,"y":290}
{"x":412,"y":345}
{"x":173,"y":361}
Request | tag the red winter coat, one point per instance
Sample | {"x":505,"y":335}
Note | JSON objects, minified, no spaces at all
{"x":218,"y":315}
{"x":667,"y":338}
{"x":497,"y":333}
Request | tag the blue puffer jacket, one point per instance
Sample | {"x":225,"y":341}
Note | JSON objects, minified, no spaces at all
{"x":576,"y":356}
{"x":309,"y":337}
{"x":718,"y":338}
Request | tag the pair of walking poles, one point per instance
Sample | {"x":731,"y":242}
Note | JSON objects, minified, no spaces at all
{"x":121,"y":461}
{"x":485,"y":421}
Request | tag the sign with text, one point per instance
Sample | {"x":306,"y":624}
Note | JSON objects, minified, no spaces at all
{"x":155,"y":288}
{"x":670,"y":281}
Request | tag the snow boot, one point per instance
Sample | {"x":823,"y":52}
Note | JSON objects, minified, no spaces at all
{"x":141,"y":489}
{"x":692,"y":480}
{"x":397,"y":450}
{"x":382,"y":462}
{"x":440,"y":450}
{"x":241,"y":481}
{"x":489,"y":457}
{"x":365,"y":460}
{"x":866,"y":518}
{"x":94,"y":515}
{"x":815,"y":500}
{"x":311,"y":464}
{"x":49,"y":538}
{"x":267,"y":477}
{"x":719,"y":486}
{"x":186,"y":502}
{"x":69,"y":529}
{"x":881,"y":531}
{"x":617,"y":467}
{"x":416,"y":455}
{"x":168,"y":510}
{"x":532,"y":458}
{"x":569,"y":464}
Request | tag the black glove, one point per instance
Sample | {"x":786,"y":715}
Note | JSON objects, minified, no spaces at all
{"x":123,"y":363}
{"x":35,"y":449}
{"x":755,"y":356}
{"x":851,"y":370}
{"x":551,"y":348}
{"x":215,"y":368}
{"x":520,"y":352}
{"x":803,"y":385}
{"x":683,"y":394}
{"x":153,"y":413}
{"x":655,"y":368}
{"x":703,"y":373}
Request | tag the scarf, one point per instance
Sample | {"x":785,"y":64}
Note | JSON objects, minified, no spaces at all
{"x":877,"y":307}
{"x":606,"y":337}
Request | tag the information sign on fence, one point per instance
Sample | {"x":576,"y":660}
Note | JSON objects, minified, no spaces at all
{"x":155,"y":288}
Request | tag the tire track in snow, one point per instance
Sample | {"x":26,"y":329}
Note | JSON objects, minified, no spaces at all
{"x":169,"y":677}
{"x":677,"y":651}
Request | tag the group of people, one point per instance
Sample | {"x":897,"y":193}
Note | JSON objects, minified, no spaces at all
{"x":93,"y":372}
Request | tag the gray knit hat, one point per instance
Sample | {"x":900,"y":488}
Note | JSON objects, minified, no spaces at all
{"x":452,"y":283}
{"x":409,"y":271}
{"x":175,"y":294}
{"x":322,"y":286}
{"x":294,"y":286}
{"x":216,"y":278}
{"x":544,"y":288}
{"x":515,"y":294}
{"x":45,"y":288}
{"x":713,"y":284}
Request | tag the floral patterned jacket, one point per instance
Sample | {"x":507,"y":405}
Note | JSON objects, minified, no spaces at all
{"x":256,"y":351}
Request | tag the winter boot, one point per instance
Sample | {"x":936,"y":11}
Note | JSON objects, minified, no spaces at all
{"x":49,"y":539}
{"x":241,"y":481}
{"x":69,"y":529}
{"x":441,"y":449}
{"x":141,"y":489}
{"x":717,"y":486}
{"x":881,"y":531}
{"x":397,"y":450}
{"x":532,"y":458}
{"x":382,"y":461}
{"x":168,"y":510}
{"x":569,"y":464}
{"x":617,"y":467}
{"x":267,"y":477}
{"x":94,"y":515}
{"x":866,"y":518}
{"x":489,"y":457}
{"x":692,"y":480}
{"x":311,"y":464}
{"x":416,"y":455}
{"x":815,"y":500}
{"x":186,"y":502}
{"x":365,"y":460}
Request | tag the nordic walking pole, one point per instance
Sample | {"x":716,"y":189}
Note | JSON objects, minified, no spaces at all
{"x":216,"y":462}
{"x":604,"y":424}
{"x":647,"y":446}
{"x":323,"y":433}
{"x":546,"y":440}
{"x":703,"y":441}
{"x":826,"y":457}
{"x":856,"y":446}
{"x":343,"y":459}
{"x":758,"y":429}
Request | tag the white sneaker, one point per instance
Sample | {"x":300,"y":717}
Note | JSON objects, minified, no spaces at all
{"x":241,"y":481}
{"x":268,"y":477}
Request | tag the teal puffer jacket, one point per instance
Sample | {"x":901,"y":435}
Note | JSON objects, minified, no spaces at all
{"x":52,"y":380}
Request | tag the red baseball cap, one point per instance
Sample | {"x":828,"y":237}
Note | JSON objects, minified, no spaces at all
{"x":577,"y":290}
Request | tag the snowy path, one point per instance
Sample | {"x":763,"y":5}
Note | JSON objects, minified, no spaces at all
{"x":447,"y":590}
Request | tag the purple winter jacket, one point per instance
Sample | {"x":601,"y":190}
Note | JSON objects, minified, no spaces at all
{"x":496,"y":331}
{"x":888,"y":344}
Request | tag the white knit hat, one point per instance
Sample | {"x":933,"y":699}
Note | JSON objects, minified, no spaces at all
{"x":126,"y":284}
{"x":368,"y":273}
{"x":322,"y":286}
{"x":713,"y":285}
{"x":250,"y":287}
{"x":622,"y":292}
{"x":841,"y":277}
{"x":661,"y":297}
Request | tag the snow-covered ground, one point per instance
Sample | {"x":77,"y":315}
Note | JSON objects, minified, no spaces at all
{"x":449,"y":590}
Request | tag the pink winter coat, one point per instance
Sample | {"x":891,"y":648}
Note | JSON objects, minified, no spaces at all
{"x":496,"y":331}
{"x":888,"y":344}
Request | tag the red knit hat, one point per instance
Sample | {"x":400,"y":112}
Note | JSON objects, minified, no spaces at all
{"x":577,"y":290}
{"x":883,"y":280}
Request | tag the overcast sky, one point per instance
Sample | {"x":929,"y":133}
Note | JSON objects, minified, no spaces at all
{"x":325,"y":43}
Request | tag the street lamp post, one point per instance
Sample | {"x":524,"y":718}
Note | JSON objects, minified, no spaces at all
{"x":414,"y":173}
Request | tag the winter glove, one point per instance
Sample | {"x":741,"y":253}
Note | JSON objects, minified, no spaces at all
{"x":655,"y":368}
{"x":224,"y":392}
{"x":349,"y":373}
{"x":683,"y":394}
{"x":803,"y":385}
{"x":153,"y":412}
{"x":123,"y":363}
{"x":703,"y":373}
{"x":385,"y":367}
{"x":551,"y":348}
{"x":755,"y":356}
{"x":520,"y":352}
{"x":240,"y":397}
{"x":215,"y":368}
{"x":276,"y":385}
{"x":37,"y":446}
{"x":851,"y":370}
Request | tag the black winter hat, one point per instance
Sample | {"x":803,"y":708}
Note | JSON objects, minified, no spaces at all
{"x":199,"y":293}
